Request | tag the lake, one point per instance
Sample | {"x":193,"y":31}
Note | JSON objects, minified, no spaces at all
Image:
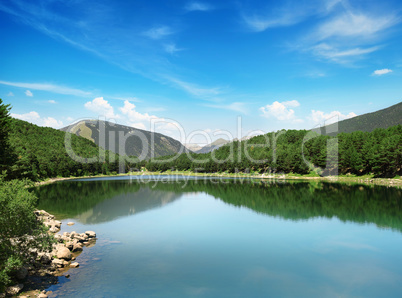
{"x":173,"y":237}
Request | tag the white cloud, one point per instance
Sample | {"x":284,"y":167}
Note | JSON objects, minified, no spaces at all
{"x":35,"y":118}
{"x":281,"y":111}
{"x":48,"y":87}
{"x":10,"y":94}
{"x":380,"y":72}
{"x":171,"y":48}
{"x":320,"y":117}
{"x":102,"y":108}
{"x":133,"y":116}
{"x":28,"y":93}
{"x":198,"y":6}
{"x":158,"y":32}
{"x":52,"y":101}
{"x":355,"y":25}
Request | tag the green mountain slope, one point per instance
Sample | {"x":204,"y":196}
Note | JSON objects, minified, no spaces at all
{"x":126,"y":140}
{"x":40,"y":152}
{"x":367,"y":122}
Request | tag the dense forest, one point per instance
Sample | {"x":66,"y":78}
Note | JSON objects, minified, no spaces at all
{"x":298,"y":151}
{"x":30,"y":151}
{"x":384,"y":118}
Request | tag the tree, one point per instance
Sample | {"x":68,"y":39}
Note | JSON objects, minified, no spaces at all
{"x":6,"y":155}
{"x":20,"y":231}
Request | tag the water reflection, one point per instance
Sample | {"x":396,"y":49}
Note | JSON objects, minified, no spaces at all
{"x":104,"y":200}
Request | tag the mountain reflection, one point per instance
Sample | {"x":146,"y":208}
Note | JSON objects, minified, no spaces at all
{"x":106,"y":200}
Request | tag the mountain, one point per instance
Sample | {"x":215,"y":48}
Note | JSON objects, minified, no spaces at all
{"x":193,"y":147}
{"x":213,"y":146}
{"x":41,"y":152}
{"x":385,"y":118}
{"x":126,"y":140}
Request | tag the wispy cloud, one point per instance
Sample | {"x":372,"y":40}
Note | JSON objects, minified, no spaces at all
{"x":380,"y":72}
{"x":201,"y":92}
{"x":49,"y":87}
{"x":158,"y":32}
{"x":10,"y":94}
{"x":52,"y":101}
{"x":355,"y":25}
{"x":171,"y":48}
{"x":198,"y":6}
{"x":28,"y":93}
{"x":342,"y":56}
{"x":235,"y":106}
{"x":338,"y":31}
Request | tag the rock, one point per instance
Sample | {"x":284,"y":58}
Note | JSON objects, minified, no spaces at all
{"x":22,"y":273}
{"x":79,"y":238}
{"x":74,"y":265}
{"x":70,"y":223}
{"x":57,"y":224}
{"x":41,"y":295}
{"x":66,"y":234}
{"x":78,"y":247}
{"x":14,"y":290}
{"x":63,"y":253}
{"x":91,"y":234}
{"x":70,"y":245}
{"x":65,"y":263}
{"x":67,"y":275}
{"x":54,"y":229}
{"x":58,"y":263}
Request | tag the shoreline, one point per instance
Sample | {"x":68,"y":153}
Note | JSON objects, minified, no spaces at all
{"x":48,"y":266}
{"x":349,"y":179}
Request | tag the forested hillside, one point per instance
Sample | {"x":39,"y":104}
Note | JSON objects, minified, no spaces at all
{"x":126,"y":140}
{"x":367,"y":122}
{"x":40,"y":152}
{"x":378,"y":152}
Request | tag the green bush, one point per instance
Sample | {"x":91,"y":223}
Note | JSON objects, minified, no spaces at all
{"x":20,"y":231}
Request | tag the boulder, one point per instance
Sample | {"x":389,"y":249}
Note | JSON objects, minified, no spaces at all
{"x":78,"y":247}
{"x":70,"y":223}
{"x":58,"y":263}
{"x":91,"y":234}
{"x":54,"y":229}
{"x":63,"y":253}
{"x":74,"y":265}
{"x":79,"y":238}
{"x":70,"y":245}
{"x":14,"y":290}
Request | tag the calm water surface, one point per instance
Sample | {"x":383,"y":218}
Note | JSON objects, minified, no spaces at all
{"x":230,"y":239}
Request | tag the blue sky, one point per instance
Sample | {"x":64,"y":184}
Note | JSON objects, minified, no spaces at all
{"x":200,"y":65}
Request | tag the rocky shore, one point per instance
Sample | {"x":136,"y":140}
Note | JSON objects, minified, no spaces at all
{"x":50,"y":265}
